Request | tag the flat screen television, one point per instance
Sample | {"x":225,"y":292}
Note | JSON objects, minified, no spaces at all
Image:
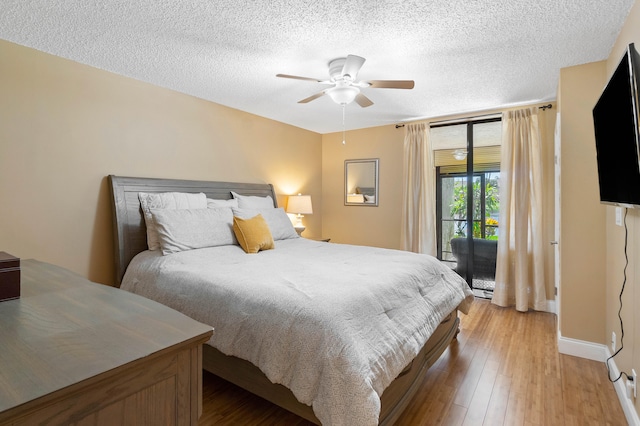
{"x":615,"y":120}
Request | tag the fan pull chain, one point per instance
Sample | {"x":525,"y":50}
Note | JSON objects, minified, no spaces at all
{"x":344,"y":141}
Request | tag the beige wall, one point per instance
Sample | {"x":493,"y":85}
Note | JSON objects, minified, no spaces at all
{"x":629,"y":358}
{"x":582,"y":232}
{"x":366,"y":225}
{"x":65,"y":126}
{"x":380,"y":226}
{"x":592,"y":245}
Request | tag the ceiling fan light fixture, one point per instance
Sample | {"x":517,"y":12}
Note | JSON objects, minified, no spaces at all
{"x":460,"y":154}
{"x":343,"y":95}
{"x":343,"y":73}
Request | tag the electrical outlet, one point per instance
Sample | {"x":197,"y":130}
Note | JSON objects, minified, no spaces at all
{"x":613,"y":341}
{"x":631,"y":384}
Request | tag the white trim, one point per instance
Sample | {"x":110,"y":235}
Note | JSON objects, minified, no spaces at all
{"x":581,"y":348}
{"x":627,"y":403}
{"x":551,"y":307}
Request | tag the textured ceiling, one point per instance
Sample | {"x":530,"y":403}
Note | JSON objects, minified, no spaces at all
{"x":464,"y":56}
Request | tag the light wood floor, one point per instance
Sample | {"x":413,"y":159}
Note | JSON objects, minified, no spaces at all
{"x":503,"y":369}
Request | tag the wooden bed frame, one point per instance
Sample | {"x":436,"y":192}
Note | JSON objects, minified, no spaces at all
{"x":129,"y":232}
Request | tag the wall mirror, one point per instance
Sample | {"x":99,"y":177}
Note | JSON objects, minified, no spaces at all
{"x":361,"y":182}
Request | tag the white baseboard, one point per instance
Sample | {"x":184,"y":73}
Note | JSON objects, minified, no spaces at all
{"x":582,"y":349}
{"x":551,"y":306}
{"x":627,"y":403}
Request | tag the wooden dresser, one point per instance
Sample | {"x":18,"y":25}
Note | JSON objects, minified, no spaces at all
{"x":76,"y":352}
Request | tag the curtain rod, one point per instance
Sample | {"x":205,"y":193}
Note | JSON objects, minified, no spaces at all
{"x":543,"y":107}
{"x":461,"y":120}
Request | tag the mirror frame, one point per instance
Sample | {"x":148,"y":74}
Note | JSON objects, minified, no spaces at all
{"x":375,"y":162}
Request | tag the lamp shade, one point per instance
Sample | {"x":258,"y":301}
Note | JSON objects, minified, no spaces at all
{"x":299,"y":204}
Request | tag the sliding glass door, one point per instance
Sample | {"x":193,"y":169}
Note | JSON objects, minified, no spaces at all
{"x":467,"y":159}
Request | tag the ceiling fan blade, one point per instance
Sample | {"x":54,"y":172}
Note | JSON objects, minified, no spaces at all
{"x":363,"y":101}
{"x":312,"y":97}
{"x":352,"y":65}
{"x":391,"y":84}
{"x":295,"y":77}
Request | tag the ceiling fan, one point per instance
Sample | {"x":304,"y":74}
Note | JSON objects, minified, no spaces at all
{"x":346,"y":89}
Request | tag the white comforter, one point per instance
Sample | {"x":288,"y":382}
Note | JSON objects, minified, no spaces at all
{"x":333,"y":323}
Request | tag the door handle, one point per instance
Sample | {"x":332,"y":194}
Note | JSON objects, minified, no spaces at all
{"x":553,"y":243}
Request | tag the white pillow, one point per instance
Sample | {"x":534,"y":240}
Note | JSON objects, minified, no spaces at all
{"x":186,"y":229}
{"x":166,"y":200}
{"x":253,"y":202}
{"x":369,"y":198}
{"x":279,"y":223}
{"x":214,"y":204}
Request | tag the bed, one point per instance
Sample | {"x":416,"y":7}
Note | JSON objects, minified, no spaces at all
{"x":390,"y":388}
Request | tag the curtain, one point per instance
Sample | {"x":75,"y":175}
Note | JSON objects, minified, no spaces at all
{"x":520,"y":262}
{"x":419,"y":192}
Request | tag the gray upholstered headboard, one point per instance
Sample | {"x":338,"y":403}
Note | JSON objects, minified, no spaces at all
{"x":129,"y":230}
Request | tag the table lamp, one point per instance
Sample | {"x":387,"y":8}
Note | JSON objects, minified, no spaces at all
{"x":299,"y":205}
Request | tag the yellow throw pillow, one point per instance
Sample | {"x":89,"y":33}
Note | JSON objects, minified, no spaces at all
{"x":253,"y":234}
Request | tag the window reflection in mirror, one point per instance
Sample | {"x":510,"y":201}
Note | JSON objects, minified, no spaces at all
{"x":361,"y":182}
